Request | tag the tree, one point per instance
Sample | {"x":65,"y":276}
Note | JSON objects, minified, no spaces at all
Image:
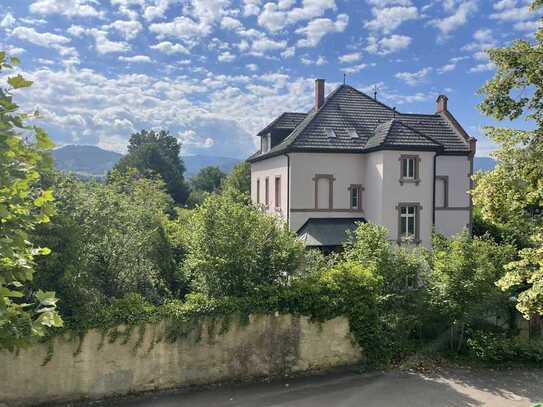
{"x":155,"y":153}
{"x":511,"y":196}
{"x":23,"y":204}
{"x":234,"y":248}
{"x":208,"y":180}
{"x":109,"y":241}
{"x":239,"y":179}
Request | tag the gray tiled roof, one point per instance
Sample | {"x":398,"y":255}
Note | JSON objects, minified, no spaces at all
{"x":328,"y":232}
{"x":348,"y":112}
{"x":286,"y":121}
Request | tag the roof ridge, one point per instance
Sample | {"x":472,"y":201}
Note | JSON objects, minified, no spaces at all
{"x":419,"y":114}
{"x":369,"y":97}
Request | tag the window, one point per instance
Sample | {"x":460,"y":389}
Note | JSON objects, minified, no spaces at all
{"x":267,"y":192}
{"x":355,"y":197}
{"x":265,"y":143}
{"x":257,"y":191}
{"x":409,"y":168}
{"x":278,"y":192}
{"x":442,"y":191}
{"x":330,"y":133}
{"x":324,"y":191}
{"x":408,"y":224}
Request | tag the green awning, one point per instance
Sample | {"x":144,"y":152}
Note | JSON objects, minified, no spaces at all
{"x":327,"y":232}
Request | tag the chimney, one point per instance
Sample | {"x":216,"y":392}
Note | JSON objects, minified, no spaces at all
{"x":441,"y":103}
{"x":319,"y":93}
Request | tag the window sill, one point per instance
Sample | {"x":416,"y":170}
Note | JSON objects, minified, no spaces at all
{"x":409,"y":241}
{"x":409,"y":181}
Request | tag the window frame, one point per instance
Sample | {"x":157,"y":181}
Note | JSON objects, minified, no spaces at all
{"x":277,"y":192}
{"x":359,"y":189}
{"x":267,"y":192}
{"x":415,"y":237}
{"x":445,"y":179}
{"x":331,"y":179}
{"x":258,"y":191}
{"x":415,"y":159}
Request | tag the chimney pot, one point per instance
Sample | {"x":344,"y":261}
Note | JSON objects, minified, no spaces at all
{"x":319,"y":93}
{"x":441,"y":103}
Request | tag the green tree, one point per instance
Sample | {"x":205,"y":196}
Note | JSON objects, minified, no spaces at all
{"x":511,"y":196}
{"x":109,"y":240}
{"x":23,"y":204}
{"x":462,"y":283}
{"x":208,"y":180}
{"x":239,"y":179}
{"x":156,"y":153}
{"x":233,"y":249}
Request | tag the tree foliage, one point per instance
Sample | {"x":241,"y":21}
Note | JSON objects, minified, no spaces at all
{"x":234,"y":248}
{"x":24,"y":203}
{"x":511,"y":196}
{"x":239,"y":179}
{"x":109,"y":240}
{"x":208,"y":180}
{"x":155,"y":153}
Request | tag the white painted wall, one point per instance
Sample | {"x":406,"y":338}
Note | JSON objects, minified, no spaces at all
{"x":457,"y":168}
{"x":395,"y":193}
{"x":347,"y":169}
{"x":270,"y":168}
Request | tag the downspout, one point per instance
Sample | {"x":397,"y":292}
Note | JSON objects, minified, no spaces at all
{"x":434,"y":194}
{"x":473,"y":149}
{"x":288,"y":189}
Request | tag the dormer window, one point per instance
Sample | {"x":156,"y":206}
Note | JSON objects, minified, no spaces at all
{"x":330,"y":133}
{"x":265,"y":143}
{"x":352,"y":133}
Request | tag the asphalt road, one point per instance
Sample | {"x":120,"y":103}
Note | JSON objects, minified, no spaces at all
{"x":448,"y":387}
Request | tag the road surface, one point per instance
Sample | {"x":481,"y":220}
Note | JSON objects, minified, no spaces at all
{"x":449,"y":387}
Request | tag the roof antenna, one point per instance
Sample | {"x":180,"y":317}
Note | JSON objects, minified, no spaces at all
{"x":375,"y":92}
{"x":394,"y":112}
{"x":344,"y":78}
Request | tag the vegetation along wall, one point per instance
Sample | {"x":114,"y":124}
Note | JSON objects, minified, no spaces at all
{"x":97,"y":366}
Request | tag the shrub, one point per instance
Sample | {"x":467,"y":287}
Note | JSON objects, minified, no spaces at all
{"x":233,"y":248}
{"x":498,"y":348}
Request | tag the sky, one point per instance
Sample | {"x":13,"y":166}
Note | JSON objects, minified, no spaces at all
{"x":215,"y":72}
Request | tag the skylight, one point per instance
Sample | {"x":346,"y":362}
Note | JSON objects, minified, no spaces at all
{"x":330,"y":132}
{"x":352,"y":133}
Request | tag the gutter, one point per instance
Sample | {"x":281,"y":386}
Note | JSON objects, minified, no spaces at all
{"x":434,"y":193}
{"x":288,"y":189}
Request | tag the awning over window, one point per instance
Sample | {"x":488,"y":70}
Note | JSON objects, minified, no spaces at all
{"x":327,"y":232}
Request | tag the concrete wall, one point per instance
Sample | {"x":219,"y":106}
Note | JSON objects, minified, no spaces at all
{"x":268,"y":345}
{"x":455,"y":216}
{"x":270,"y":168}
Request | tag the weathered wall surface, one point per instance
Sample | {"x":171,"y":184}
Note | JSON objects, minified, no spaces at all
{"x":268,"y":345}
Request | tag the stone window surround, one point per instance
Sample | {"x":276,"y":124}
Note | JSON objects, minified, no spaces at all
{"x":418,"y":208}
{"x":267,"y":192}
{"x":416,"y":179}
{"x":277,"y":193}
{"x":360,"y":189}
{"x":445,"y":179}
{"x":331,"y":179}
{"x":258,"y":191}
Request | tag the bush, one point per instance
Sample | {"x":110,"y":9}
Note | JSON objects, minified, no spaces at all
{"x":232,"y":248}
{"x":108,"y":241}
{"x":498,"y":348}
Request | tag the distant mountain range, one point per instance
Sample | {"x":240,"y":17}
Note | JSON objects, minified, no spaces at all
{"x":92,"y":161}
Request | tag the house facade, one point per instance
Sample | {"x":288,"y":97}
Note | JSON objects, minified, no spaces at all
{"x":352,"y":158}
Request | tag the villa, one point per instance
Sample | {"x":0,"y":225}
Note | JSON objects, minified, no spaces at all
{"x":352,"y":158}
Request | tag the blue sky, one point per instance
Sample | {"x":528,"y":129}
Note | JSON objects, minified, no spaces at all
{"x":214,"y":72}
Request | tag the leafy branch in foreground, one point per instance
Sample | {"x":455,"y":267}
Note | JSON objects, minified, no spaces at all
{"x":23,"y":204}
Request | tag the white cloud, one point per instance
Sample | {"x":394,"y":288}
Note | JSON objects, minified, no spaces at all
{"x":446,"y":68}
{"x":226,"y":56}
{"x":386,"y":3}
{"x":484,"y":39}
{"x":157,"y":9}
{"x":289,"y":52}
{"x":8,"y":21}
{"x":135,"y":58}
{"x":389,"y":19}
{"x":276,"y":16}
{"x":388,"y":45}
{"x":454,"y":21}
{"x":530,"y":26}
{"x":508,"y":10}
{"x":128,"y":28}
{"x":169,"y":48}
{"x":318,"y":28}
{"x":483,"y":67}
{"x":103,"y":45}
{"x":42,"y":39}
{"x":319,"y":61}
{"x":265,"y":44}
{"x":70,"y":8}
{"x":354,"y":69}
{"x":229,"y":23}
{"x":414,"y":78}
{"x":251,"y":7}
{"x":348,"y":58}
{"x":252,"y":67}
